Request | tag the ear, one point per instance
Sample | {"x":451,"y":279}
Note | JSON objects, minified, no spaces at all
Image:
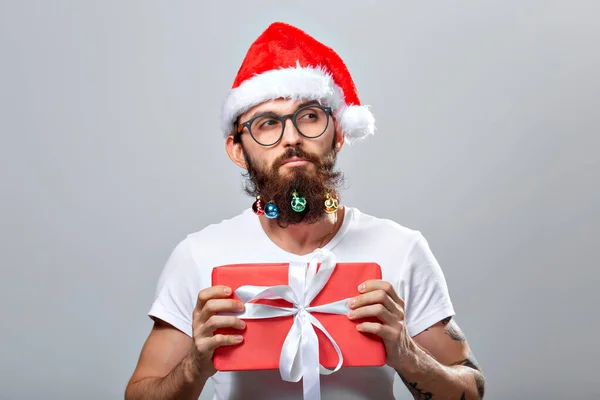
{"x":339,"y":137}
{"x":235,"y":152}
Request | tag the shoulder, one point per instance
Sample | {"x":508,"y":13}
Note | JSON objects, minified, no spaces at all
{"x":386,"y":236}
{"x":217,"y":239}
{"x":384,"y":229}
{"x":238,"y":225}
{"x":186,"y":256}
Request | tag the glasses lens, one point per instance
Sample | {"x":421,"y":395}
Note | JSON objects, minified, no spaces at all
{"x":311,"y":121}
{"x":266,"y":129}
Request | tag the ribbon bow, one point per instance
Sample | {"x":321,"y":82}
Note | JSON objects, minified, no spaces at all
{"x":300,"y":352}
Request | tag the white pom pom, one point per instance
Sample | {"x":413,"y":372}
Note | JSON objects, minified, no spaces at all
{"x":356,"y":122}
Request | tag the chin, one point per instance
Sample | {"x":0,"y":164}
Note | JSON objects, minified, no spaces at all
{"x":297,"y":171}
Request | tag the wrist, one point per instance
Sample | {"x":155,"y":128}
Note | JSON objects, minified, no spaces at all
{"x":192,"y":371}
{"x":411,"y":362}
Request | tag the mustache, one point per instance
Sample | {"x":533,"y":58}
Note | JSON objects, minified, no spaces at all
{"x":296,"y":152}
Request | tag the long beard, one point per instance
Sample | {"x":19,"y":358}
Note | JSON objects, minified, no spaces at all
{"x":312,"y":185}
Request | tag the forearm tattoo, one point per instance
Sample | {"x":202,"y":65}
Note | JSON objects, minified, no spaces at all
{"x":472,"y":363}
{"x":416,"y":391}
{"x":451,"y":329}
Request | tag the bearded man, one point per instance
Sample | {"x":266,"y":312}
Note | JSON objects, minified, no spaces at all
{"x":292,"y":108}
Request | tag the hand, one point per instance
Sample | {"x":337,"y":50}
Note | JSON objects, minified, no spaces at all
{"x":379,"y":300}
{"x":211,"y":301}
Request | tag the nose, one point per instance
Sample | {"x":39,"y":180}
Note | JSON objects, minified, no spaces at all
{"x":291,"y":136}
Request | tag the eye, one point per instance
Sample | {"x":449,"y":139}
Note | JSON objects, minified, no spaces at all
{"x":310,"y":115}
{"x":269,"y":122}
{"x":266,"y":122}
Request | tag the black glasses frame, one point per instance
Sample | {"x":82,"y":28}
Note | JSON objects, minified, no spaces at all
{"x":283,"y":118}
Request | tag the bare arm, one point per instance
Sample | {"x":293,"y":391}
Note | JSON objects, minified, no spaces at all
{"x":174,"y":366}
{"x":166,"y":368}
{"x":442,"y":365}
{"x":436,"y":363}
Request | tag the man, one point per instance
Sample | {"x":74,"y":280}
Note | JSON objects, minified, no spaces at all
{"x":292,"y":108}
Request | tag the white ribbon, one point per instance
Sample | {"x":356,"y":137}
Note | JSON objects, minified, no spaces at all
{"x":300,"y":352}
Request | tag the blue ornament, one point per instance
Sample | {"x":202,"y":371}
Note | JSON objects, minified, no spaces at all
{"x":271,"y":210}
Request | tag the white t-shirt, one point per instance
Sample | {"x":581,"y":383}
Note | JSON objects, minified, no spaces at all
{"x":404,"y":256}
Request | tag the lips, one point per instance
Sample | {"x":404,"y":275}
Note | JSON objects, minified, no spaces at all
{"x":294,"y":159}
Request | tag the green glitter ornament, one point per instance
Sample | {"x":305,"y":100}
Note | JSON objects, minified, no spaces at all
{"x":298,"y":203}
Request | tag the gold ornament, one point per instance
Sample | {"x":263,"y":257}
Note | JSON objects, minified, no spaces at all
{"x":331,"y":204}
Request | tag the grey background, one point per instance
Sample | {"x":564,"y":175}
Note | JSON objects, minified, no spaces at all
{"x":487,"y":142}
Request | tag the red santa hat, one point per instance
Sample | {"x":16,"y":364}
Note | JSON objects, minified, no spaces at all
{"x":285,"y":62}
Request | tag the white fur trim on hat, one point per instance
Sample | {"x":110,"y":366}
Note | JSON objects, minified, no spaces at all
{"x":297,"y":83}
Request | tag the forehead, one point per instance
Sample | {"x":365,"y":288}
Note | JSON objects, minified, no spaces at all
{"x":279,"y":106}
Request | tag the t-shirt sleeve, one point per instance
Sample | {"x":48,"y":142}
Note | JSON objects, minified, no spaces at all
{"x":423,"y":284}
{"x":177,"y":289}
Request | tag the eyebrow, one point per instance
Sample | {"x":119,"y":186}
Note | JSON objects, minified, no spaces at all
{"x":306,"y":103}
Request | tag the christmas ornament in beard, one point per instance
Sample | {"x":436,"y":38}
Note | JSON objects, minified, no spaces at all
{"x":312,"y":182}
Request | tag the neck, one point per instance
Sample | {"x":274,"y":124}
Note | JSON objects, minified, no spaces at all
{"x":303,"y":238}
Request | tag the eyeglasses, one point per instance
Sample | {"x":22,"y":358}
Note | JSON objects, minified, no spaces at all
{"x":267,"y":128}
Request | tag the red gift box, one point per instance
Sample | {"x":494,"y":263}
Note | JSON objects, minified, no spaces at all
{"x":264,"y":338}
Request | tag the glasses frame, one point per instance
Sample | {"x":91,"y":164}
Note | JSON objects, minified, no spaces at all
{"x":282,"y":119}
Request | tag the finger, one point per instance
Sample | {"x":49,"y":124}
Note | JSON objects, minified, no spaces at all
{"x":374,"y":310}
{"x":214,"y":306}
{"x":377,"y":284}
{"x":217,"y":321}
{"x":376,"y":297}
{"x":376,"y":328}
{"x":216,"y":341}
{"x":213,"y":292}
